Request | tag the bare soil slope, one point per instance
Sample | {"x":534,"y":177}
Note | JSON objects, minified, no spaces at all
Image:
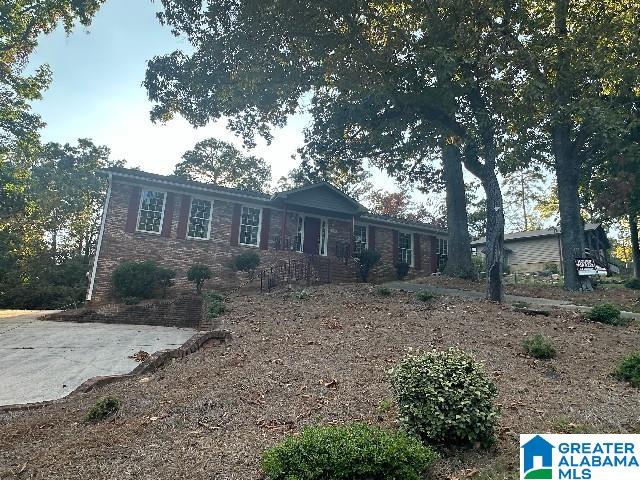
{"x":299,"y":361}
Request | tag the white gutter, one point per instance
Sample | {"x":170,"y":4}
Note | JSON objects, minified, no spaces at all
{"x":102,"y":223}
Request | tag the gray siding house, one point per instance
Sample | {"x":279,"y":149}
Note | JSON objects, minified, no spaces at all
{"x":533,"y":251}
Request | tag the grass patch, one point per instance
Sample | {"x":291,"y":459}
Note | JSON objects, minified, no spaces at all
{"x":538,"y":347}
{"x":104,"y":408}
{"x":425,"y":296}
{"x":566,"y":425}
{"x":520,"y":305}
{"x":301,"y":295}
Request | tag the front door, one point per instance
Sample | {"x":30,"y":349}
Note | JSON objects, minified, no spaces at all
{"x":311,"y":235}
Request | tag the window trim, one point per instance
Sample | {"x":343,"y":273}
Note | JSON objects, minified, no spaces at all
{"x":251,"y":245}
{"x":164,"y":206}
{"x":208,"y":237}
{"x":326,"y":237}
{"x":366,"y":227}
{"x":411,"y":242}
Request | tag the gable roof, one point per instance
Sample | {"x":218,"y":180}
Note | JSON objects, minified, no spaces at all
{"x":318,"y":196}
{"x":534,"y":234}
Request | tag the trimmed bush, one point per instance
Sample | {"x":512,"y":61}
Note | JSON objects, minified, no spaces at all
{"x":445,"y":397}
{"x":165,"y":279}
{"x":425,"y":296}
{"x":383,"y":291}
{"x":605,"y":313}
{"x":246,"y":262}
{"x":402,"y":270}
{"x":367,"y":259}
{"x":198,"y":273}
{"x":633,"y":284}
{"x":214,"y":305}
{"x":138,"y":279}
{"x":350,"y":452}
{"x":629,"y":369}
{"x":538,"y":347}
{"x":103,"y":409}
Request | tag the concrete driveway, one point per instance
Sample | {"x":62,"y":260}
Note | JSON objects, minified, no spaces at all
{"x":42,"y":360}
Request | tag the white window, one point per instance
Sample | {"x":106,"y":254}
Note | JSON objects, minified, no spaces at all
{"x":199,"y":219}
{"x":360,"y":238}
{"x":151,"y":211}
{"x":250,"y":226}
{"x":324,"y":234}
{"x":443,"y":247}
{"x":405,"y":248}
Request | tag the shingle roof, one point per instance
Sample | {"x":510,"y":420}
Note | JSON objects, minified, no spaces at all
{"x":135,"y":174}
{"x":533,"y":234}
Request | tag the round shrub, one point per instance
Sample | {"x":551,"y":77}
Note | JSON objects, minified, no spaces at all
{"x":425,"y":296}
{"x":629,"y":369}
{"x":367,"y":259}
{"x":246,"y":262}
{"x":198,"y":273}
{"x":137,"y":279}
{"x":103,"y":408}
{"x":350,"y":452}
{"x":605,"y":313}
{"x":445,"y":397}
{"x":538,"y":347}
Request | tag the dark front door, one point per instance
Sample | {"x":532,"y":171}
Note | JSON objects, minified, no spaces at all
{"x":311,"y":235}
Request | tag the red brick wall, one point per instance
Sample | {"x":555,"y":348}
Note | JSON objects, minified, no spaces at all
{"x":118,"y":245}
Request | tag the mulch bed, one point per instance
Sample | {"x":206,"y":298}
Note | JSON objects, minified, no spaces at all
{"x":295,"y":362}
{"x":625,"y":298}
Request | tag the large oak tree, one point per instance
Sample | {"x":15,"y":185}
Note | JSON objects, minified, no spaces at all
{"x":386,"y":82}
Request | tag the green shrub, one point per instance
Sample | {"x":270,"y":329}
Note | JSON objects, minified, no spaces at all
{"x":350,"y":452}
{"x":383,"y":291}
{"x":103,"y":408}
{"x":479,"y":266}
{"x":402,"y":270}
{"x":138,"y":279}
{"x":552,"y":268}
{"x":367,"y":259}
{"x":605,"y":313}
{"x":198,"y":273}
{"x":629,"y":369}
{"x":633,"y":284}
{"x":425,"y":296}
{"x":41,"y":297}
{"x":214,"y":305}
{"x":538,"y":347}
{"x":131,"y":300}
{"x":165,"y":279}
{"x":445,"y":397}
{"x":246,"y":262}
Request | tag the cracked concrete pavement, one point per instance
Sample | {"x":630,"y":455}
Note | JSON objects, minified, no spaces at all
{"x":42,"y":360}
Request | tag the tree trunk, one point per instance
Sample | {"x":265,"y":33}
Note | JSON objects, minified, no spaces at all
{"x":495,"y":236}
{"x":459,"y":262}
{"x":523,"y":201}
{"x":635,"y":247}
{"x":567,"y":168}
{"x":572,"y":229}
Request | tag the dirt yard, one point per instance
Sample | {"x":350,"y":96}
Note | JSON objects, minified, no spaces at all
{"x":625,"y":298}
{"x":297,"y":360}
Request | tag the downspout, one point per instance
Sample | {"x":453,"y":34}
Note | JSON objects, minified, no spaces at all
{"x":99,"y":245}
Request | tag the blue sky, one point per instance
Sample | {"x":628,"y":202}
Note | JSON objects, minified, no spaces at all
{"x":97,"y":93}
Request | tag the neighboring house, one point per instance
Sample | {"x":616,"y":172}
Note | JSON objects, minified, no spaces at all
{"x":177,"y":223}
{"x":534,"y":250}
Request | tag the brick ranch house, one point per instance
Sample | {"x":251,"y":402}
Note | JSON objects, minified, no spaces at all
{"x":178,"y":223}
